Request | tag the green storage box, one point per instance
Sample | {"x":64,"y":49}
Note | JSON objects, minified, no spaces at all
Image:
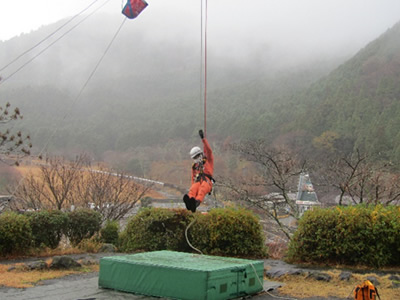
{"x":181,"y":275}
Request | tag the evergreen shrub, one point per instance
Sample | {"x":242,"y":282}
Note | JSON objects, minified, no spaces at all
{"x":157,"y":229}
{"x":229,"y":232}
{"x":82,"y":224}
{"x":109,"y":233}
{"x":15,"y":233}
{"x":47,"y":226}
{"x":356,"y":235}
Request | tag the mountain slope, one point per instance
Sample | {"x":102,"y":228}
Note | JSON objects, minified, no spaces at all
{"x":146,"y":91}
{"x":359,"y":101}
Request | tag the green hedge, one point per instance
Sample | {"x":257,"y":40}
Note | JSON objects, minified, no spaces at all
{"x":47,"y":227}
{"x":82,"y":224}
{"x":233,"y":232}
{"x":156,"y":229}
{"x":15,"y":233}
{"x":356,"y":235}
{"x":21,"y":232}
{"x":109,"y":233}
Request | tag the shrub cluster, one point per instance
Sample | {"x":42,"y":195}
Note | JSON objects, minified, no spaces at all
{"x":47,"y":227}
{"x":109,"y":233}
{"x":357,"y":235}
{"x":15,"y":233}
{"x":228,"y":231}
{"x":82,"y":224}
{"x":233,"y":232}
{"x":20,"y":232}
{"x":156,"y":229}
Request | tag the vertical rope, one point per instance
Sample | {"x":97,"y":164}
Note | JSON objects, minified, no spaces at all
{"x":205,"y":70}
{"x":201,"y":59}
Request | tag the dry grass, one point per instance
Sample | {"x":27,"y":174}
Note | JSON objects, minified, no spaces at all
{"x":47,"y":252}
{"x":299,"y":286}
{"x":277,"y":249}
{"x":22,"y":278}
{"x":63,"y":249}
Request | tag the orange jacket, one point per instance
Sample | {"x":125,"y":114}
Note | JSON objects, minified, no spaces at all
{"x":208,"y":165}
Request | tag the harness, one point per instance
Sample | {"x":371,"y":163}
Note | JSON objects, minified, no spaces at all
{"x":201,"y":175}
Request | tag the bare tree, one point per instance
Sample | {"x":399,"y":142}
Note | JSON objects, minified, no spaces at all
{"x":391,"y":189}
{"x":53,"y":187}
{"x":112,"y":194}
{"x":343,"y":173}
{"x":12,"y":143}
{"x":376,"y":185}
{"x":29,"y":195}
{"x":269,"y":189}
{"x":59,"y":184}
{"x":362,"y":180}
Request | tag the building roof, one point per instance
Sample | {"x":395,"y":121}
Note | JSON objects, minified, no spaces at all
{"x":305,"y":192}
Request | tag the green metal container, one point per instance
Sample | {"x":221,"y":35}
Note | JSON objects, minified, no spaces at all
{"x":181,"y":275}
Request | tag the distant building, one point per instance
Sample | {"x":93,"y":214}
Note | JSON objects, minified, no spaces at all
{"x":306,"y":196}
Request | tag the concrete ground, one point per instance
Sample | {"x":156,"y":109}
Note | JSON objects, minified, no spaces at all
{"x":85,"y":287}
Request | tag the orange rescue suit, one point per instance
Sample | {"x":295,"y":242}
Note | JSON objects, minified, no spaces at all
{"x":201,"y":174}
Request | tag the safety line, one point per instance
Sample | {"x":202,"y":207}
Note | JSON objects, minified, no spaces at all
{"x":254,"y":269}
{"x":219,"y":259}
{"x":187,"y":239}
{"x":51,"y":44}
{"x":48,"y":36}
{"x":205,"y":70}
{"x":201,"y":56}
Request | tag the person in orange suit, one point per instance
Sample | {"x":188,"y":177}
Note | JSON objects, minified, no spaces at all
{"x":202,"y":172}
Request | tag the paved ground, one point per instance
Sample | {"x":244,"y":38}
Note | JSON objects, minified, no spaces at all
{"x":85,"y":287}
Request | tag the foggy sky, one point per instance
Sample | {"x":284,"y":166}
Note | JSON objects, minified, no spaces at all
{"x":275,"y":29}
{"x":265,"y":31}
{"x":256,"y":29}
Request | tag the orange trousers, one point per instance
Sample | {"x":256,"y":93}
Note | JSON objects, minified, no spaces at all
{"x":199,"y":190}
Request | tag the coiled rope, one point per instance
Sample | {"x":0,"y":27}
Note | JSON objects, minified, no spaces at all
{"x":187,"y":239}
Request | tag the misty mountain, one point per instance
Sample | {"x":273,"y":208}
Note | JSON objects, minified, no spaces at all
{"x":145,"y":92}
{"x":359,"y":102}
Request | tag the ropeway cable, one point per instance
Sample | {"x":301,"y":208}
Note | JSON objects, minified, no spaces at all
{"x":51,"y":44}
{"x":77,"y":97}
{"x":48,"y":36}
{"x":85,"y":84}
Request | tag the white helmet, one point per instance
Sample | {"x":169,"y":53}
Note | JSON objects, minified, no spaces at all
{"x":195,"y":151}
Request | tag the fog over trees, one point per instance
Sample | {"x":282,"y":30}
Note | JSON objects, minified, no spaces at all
{"x":269,"y":64}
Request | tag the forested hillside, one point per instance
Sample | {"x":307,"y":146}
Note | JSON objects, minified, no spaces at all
{"x":358,"y":104}
{"x":146,"y":94}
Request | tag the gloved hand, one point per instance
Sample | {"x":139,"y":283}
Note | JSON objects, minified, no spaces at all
{"x":201,"y":133}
